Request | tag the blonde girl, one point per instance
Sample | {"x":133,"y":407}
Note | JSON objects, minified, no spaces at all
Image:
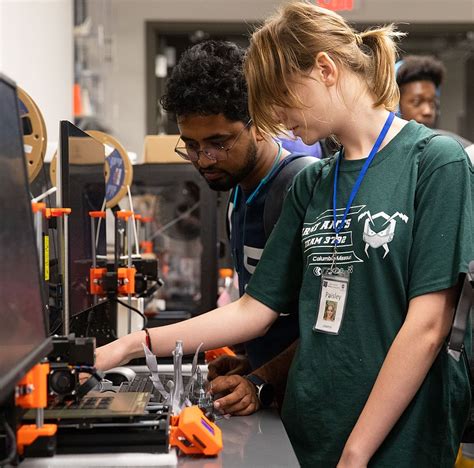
{"x":384,"y":230}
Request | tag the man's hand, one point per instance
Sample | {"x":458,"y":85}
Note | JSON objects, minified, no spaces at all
{"x":240,"y":395}
{"x":228,"y":365}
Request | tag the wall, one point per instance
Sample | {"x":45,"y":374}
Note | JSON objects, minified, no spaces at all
{"x":36,"y":51}
{"x":453,"y":93}
{"x":413,"y":11}
{"x":125,"y":84}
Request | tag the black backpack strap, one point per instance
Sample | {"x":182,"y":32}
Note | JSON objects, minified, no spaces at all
{"x":228,"y":213}
{"x":463,"y":310}
{"x":329,"y":147}
{"x":279,"y":188}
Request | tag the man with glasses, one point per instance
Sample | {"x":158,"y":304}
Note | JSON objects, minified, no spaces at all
{"x":207,"y":94}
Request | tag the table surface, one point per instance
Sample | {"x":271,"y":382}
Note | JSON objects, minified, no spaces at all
{"x":258,"y":440}
{"x":255,"y":441}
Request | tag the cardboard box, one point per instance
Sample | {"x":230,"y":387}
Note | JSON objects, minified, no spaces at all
{"x":159,"y":149}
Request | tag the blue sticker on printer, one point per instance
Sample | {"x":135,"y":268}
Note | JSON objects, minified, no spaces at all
{"x":116,"y":175}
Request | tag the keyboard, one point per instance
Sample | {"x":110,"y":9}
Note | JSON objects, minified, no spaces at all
{"x":140,"y":383}
{"x":143,"y":383}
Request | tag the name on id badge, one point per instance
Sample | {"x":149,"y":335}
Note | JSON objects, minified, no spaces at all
{"x":332,"y":303}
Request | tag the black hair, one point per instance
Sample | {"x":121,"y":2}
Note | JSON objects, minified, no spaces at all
{"x":421,"y":67}
{"x":209,"y":80}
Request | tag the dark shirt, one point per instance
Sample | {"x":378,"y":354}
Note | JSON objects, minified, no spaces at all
{"x":245,"y":215}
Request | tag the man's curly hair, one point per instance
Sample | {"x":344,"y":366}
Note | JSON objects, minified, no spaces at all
{"x":421,"y":67}
{"x":208,"y":80}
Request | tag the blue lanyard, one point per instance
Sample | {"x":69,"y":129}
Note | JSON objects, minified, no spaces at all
{"x":262,"y":182}
{"x":249,"y":200}
{"x":355,"y":189}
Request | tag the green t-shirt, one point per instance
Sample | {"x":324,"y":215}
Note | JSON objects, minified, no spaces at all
{"x":409,"y":232}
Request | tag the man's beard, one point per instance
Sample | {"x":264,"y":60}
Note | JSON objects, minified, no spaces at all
{"x":229,"y":181}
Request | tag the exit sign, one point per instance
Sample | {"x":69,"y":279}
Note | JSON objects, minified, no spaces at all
{"x":336,"y":5}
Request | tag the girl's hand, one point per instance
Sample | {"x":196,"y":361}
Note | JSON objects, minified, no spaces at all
{"x":111,"y":355}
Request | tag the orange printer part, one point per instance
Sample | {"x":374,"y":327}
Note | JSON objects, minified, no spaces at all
{"x":32,"y":393}
{"x":226,"y":273}
{"x":124,"y":214}
{"x":38,"y":206}
{"x":97,"y":214}
{"x":32,"y":390}
{"x":95,"y":281}
{"x":212,"y":354}
{"x":28,"y":433}
{"x":194,"y":434}
{"x":56,"y":212}
{"x":146,"y":246}
{"x":126,"y":280}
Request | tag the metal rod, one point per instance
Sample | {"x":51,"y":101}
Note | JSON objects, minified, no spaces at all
{"x":130,"y":201}
{"x":116,"y":242}
{"x":139,"y":234}
{"x":39,"y":417}
{"x":59,"y":177}
{"x":66,"y":276}
{"x":129,"y":241}
{"x":130,"y":222}
{"x":93,"y":253}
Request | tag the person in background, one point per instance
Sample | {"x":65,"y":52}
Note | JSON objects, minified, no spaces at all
{"x":419,"y":78}
{"x":380,"y":229}
{"x":207,"y":94}
{"x":295,"y":145}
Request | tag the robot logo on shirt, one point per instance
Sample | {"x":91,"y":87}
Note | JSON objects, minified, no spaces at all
{"x":379,"y":229}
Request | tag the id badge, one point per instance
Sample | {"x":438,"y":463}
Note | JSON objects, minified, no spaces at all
{"x":332,"y":303}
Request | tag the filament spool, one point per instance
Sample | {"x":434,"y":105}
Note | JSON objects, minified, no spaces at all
{"x":118,"y":169}
{"x":34,"y":133}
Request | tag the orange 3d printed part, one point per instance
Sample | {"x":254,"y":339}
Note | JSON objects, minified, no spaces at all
{"x":32,"y":392}
{"x":212,"y":354}
{"x":194,"y":434}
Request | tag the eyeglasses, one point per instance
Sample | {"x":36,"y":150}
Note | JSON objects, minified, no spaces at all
{"x":215,"y":152}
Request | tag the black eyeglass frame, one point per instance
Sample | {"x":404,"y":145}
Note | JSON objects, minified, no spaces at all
{"x":183,"y":151}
